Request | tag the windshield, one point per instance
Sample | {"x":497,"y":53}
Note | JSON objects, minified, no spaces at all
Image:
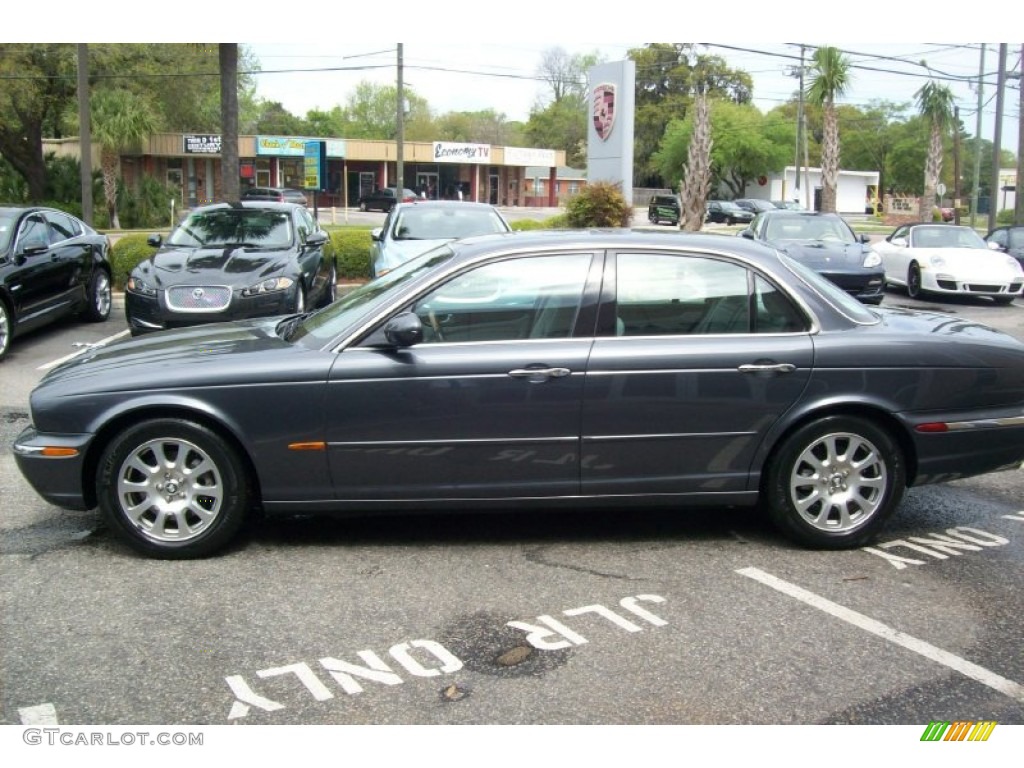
{"x":448,"y":223}
{"x":809,"y":228}
{"x":223,"y":227}
{"x":843,"y":301}
{"x":319,"y":329}
{"x":945,"y":236}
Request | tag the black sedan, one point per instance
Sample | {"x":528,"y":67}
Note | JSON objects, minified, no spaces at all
{"x":385,"y":199}
{"x":535,"y":368}
{"x":1009,"y":239}
{"x":230,"y":262}
{"x":51,"y":265}
{"x":827,"y":244}
{"x":726,"y":212}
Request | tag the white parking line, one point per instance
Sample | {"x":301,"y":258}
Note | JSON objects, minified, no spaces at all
{"x":971,"y":670}
{"x":43,"y":714}
{"x":85,"y":348}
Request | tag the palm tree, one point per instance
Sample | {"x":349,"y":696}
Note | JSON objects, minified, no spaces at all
{"x":228,"y":57}
{"x":830,"y":77}
{"x":697,"y":171}
{"x":935,"y":103}
{"x":121,"y":122}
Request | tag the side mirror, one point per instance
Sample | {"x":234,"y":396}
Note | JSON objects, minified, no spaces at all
{"x":994,"y":246}
{"x":746,"y":233}
{"x":404,"y":330}
{"x":900,"y":242}
{"x":866,"y":239}
{"x":316,"y":239}
{"x":376,"y":233}
{"x":155,"y":240}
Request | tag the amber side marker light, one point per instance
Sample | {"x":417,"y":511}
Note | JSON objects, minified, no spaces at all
{"x":58,"y":452}
{"x":314,"y":446}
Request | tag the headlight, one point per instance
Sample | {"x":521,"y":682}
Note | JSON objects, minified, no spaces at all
{"x":872,"y":259}
{"x":269,"y":286}
{"x":140,"y":286}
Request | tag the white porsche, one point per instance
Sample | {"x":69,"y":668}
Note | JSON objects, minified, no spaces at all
{"x":948,"y":259}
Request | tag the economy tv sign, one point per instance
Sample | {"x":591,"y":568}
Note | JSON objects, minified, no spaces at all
{"x":958,"y":730}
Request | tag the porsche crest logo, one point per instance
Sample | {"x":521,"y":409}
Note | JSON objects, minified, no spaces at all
{"x":604,"y":110}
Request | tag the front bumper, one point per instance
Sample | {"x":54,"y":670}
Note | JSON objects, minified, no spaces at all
{"x":145,"y":313}
{"x":59,"y":479}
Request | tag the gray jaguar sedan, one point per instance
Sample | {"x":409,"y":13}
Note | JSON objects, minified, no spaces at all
{"x":535,"y":368}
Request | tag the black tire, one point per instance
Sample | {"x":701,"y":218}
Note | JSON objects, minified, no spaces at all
{"x":914,"y":289}
{"x":6,"y":329}
{"x":1003,"y":300}
{"x":99,"y":297}
{"x":300,"y":299}
{"x":331,"y":289}
{"x":153,"y":499}
{"x":834,"y":482}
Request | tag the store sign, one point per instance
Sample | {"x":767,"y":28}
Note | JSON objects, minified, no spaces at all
{"x":528,"y":156}
{"x":295,"y":146}
{"x":315,"y":165}
{"x":200,"y":144}
{"x":454,"y":152}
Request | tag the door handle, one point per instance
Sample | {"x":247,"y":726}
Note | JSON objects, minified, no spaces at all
{"x":539,"y":374}
{"x":767,"y":368}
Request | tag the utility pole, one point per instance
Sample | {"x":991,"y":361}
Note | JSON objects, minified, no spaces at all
{"x":977,"y":139}
{"x":85,"y":132}
{"x":956,"y":165}
{"x":997,"y":141}
{"x":1018,"y":195}
{"x":799,"y":127}
{"x":400,"y":139}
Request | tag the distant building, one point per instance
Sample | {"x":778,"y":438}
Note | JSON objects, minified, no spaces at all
{"x":855,"y":191}
{"x":568,"y":183}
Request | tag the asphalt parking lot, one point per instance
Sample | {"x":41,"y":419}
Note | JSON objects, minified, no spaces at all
{"x":548,"y":618}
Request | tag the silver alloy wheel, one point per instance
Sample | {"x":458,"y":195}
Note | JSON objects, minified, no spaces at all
{"x":170,"y":490}
{"x":102,"y":295}
{"x":5,"y":329}
{"x":838,"y":482}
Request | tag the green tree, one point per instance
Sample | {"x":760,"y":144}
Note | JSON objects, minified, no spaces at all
{"x":668,"y":76}
{"x":935,"y":103}
{"x":745,"y":145}
{"x":558,"y":119}
{"x":830,"y":77}
{"x":122,"y":121}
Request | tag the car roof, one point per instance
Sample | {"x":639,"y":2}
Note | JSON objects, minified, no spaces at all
{"x":458,"y":204}
{"x":271,"y":205}
{"x":783,"y":213}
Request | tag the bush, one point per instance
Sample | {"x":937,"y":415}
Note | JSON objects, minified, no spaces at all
{"x":147,"y":206}
{"x":1005,"y":217}
{"x":522,"y":225}
{"x":600,"y":204}
{"x":128,"y":251}
{"x":352,"y":252}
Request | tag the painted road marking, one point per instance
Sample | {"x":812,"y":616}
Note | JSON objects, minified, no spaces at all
{"x":954,"y":662}
{"x":936,"y":544}
{"x":86,"y":348}
{"x":43,"y":714}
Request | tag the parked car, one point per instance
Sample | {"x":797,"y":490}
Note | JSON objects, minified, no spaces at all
{"x":413,"y":228}
{"x":948,"y":214}
{"x":1009,"y":239}
{"x":664,"y":208}
{"x":582,"y":367}
{"x":826,"y":244}
{"x":276,"y":195}
{"x":230,"y":262}
{"x":947,"y":259}
{"x":51,"y":265}
{"x":384,"y":199}
{"x":754,"y":205}
{"x":725,"y":212}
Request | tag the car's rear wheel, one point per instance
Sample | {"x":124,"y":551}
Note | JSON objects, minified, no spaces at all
{"x":99,"y":298}
{"x":331,"y":289}
{"x":6,"y":329}
{"x":914,"y":289}
{"x":172,"y":489}
{"x":834,"y":481}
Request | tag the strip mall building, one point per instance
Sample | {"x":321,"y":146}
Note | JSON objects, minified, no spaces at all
{"x":439,"y":169}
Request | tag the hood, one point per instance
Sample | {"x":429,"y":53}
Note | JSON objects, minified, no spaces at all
{"x":824,"y":255}
{"x":977,"y":264}
{"x":202,"y":266}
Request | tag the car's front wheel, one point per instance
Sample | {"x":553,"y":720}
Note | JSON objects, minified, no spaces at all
{"x":834,"y":481}
{"x":331,"y":289}
{"x":173,"y":489}
{"x":914,"y":289}
{"x":97,"y":308}
{"x":6,"y":329}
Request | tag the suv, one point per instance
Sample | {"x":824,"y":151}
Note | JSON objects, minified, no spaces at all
{"x":275,"y":194}
{"x":664,"y":208}
{"x":385,"y":199}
